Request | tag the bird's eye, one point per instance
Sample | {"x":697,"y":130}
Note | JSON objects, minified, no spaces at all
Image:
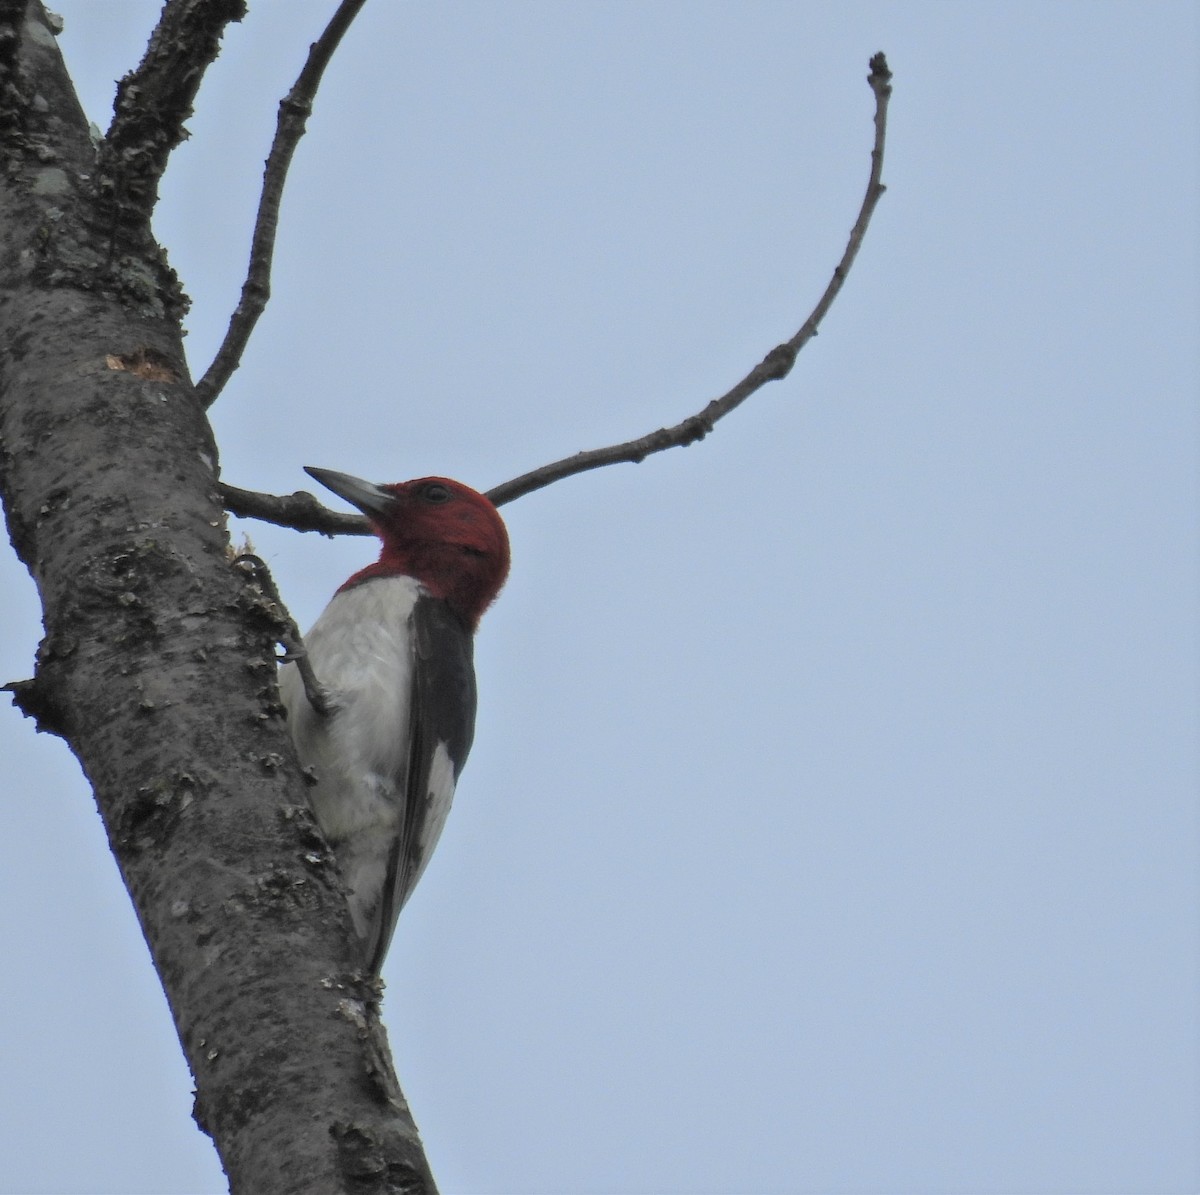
{"x":435,"y":493}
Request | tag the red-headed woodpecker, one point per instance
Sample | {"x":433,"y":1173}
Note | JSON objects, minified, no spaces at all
{"x":393,"y":654}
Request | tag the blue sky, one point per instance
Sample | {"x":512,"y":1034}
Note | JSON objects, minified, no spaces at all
{"x":831,"y":823}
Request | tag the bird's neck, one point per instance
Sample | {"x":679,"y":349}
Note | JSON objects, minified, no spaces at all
{"x":455,"y":587}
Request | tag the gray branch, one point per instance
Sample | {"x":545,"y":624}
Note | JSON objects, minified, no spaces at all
{"x":302,"y":512}
{"x":294,"y":111}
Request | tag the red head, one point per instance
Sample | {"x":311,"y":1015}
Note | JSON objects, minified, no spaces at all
{"x":445,"y":534}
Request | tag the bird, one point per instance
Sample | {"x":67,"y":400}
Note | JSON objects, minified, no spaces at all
{"x":387,"y":733}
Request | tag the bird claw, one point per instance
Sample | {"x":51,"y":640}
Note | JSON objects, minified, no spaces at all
{"x":294,"y":651}
{"x":318,"y":696}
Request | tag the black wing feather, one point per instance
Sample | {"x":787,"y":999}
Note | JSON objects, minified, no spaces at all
{"x":441,"y":711}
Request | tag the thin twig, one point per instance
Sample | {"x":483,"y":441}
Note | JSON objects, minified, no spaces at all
{"x":294,"y":110}
{"x":303,"y":512}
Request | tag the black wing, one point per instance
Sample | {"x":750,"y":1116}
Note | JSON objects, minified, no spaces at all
{"x":441,"y":729}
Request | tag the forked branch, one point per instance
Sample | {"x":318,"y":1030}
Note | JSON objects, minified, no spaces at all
{"x":153,"y":102}
{"x":302,"y":512}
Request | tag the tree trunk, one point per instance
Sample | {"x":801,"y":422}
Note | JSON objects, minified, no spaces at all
{"x":158,"y":667}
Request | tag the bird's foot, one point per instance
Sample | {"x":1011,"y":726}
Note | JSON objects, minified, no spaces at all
{"x":288,"y":633}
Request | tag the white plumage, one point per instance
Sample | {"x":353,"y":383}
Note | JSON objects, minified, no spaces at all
{"x":362,"y":652}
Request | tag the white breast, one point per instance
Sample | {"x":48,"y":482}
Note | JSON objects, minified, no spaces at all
{"x":362,"y":653}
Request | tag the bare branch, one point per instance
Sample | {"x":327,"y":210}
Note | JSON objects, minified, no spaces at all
{"x":302,"y":512}
{"x":294,"y":110}
{"x":152,"y":104}
{"x":299,"y":511}
{"x":775,"y":365}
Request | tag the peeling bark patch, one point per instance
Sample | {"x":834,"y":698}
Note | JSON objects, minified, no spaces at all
{"x":282,"y":891}
{"x":148,"y":817}
{"x":145,"y":363}
{"x":315,"y":849}
{"x":353,"y":1011}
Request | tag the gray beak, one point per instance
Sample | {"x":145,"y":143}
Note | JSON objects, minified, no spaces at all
{"x":371,"y":499}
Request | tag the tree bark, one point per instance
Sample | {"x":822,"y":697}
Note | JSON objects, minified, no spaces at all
{"x":158,"y":662}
